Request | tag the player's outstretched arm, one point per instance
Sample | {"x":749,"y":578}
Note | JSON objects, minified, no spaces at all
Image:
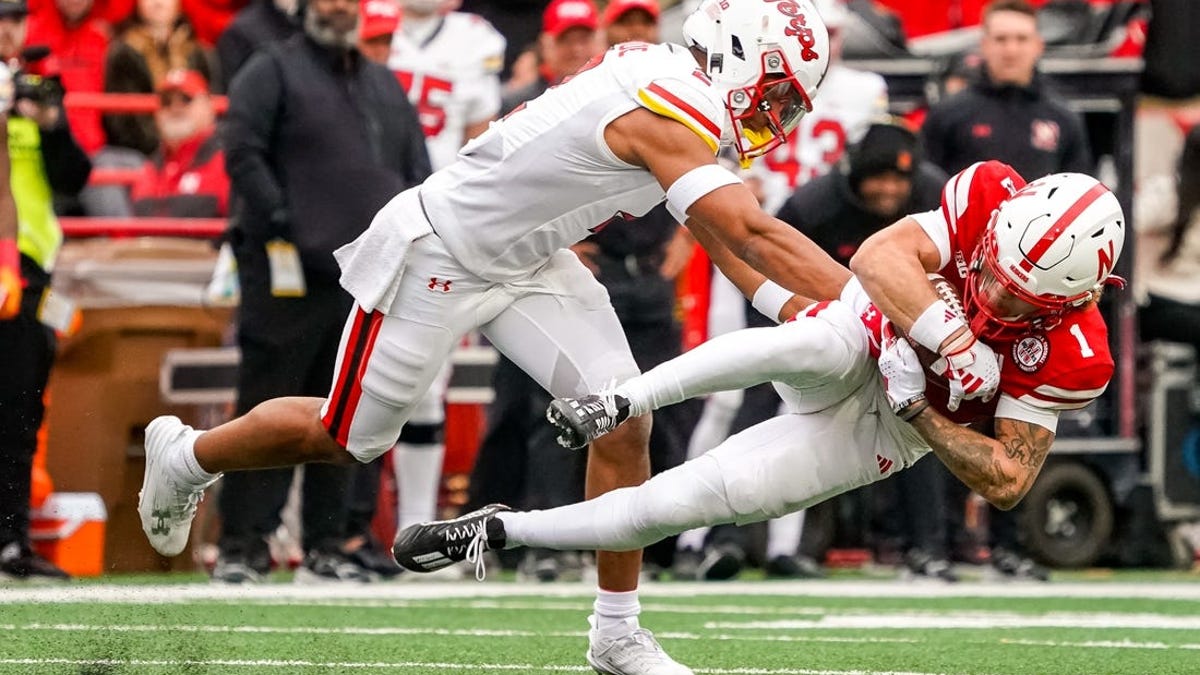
{"x":669,"y":150}
{"x":1000,"y":469}
{"x":747,"y":279}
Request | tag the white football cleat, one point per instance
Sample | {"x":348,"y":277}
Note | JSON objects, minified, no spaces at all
{"x":635,"y":653}
{"x":166,"y":503}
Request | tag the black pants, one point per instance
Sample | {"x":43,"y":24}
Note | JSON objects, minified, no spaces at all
{"x":289,"y":346}
{"x":27,"y":353}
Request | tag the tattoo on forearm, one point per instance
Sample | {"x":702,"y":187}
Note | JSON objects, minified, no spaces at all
{"x":1003,"y":467}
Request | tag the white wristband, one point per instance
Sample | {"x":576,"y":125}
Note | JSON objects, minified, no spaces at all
{"x":770,"y":298}
{"x":935,"y":324}
{"x":693,"y":185}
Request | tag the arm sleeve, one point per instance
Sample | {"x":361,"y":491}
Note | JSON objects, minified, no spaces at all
{"x":1014,"y":409}
{"x":254,"y":98}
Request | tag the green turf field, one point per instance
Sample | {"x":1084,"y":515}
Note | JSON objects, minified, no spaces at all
{"x":854,"y":626}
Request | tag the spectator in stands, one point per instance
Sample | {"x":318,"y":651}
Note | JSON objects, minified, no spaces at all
{"x":78,"y":40}
{"x":317,"y":139}
{"x":44,"y":158}
{"x":568,"y":40}
{"x":186,"y":177}
{"x":157,"y":38}
{"x":880,"y":179}
{"x":379,"y":20}
{"x":259,"y":24}
{"x":209,"y":18}
{"x":1009,"y":114}
{"x":631,"y":21}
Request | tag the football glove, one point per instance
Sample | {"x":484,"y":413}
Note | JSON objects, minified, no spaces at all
{"x":903,"y":375}
{"x":972,"y":370}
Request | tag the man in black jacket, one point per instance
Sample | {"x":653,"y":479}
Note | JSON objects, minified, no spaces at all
{"x":257,"y":25}
{"x":317,"y":139}
{"x":1008,"y":112}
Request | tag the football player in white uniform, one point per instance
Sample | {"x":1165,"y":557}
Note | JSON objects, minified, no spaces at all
{"x":847,"y":103}
{"x":1028,"y":262}
{"x":449,"y":63}
{"x":482,"y":244}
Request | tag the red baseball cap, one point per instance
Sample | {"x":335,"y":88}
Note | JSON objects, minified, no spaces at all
{"x":377,"y":17}
{"x":189,"y":82}
{"x":562,"y":15}
{"x":617,"y":8}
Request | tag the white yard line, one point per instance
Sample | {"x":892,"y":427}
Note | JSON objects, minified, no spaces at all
{"x":430,"y":666}
{"x":399,"y":630}
{"x":185,"y":593}
{"x":885,"y":620}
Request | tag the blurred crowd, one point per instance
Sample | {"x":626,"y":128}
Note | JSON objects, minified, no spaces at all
{"x":298,"y":119}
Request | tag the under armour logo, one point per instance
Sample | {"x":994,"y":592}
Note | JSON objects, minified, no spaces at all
{"x":160,"y":522}
{"x":885,"y":464}
{"x":444,"y":284}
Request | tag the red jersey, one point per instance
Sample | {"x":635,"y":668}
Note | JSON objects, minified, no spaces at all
{"x":1045,"y":371}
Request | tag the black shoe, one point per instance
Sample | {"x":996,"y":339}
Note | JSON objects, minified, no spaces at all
{"x":793,"y":567}
{"x":923,"y":564}
{"x":1012,"y":565}
{"x":582,"y":420}
{"x":22,"y":564}
{"x":721,"y":562}
{"x":235,"y":568}
{"x":330,"y":566}
{"x":374,"y":561}
{"x":428,"y":547}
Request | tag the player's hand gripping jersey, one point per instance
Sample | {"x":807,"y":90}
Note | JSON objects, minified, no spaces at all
{"x":452,"y":77}
{"x":543,"y":178}
{"x":1043,"y":372}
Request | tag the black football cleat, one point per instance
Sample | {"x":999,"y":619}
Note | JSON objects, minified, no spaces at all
{"x":582,"y":420}
{"x":428,"y":547}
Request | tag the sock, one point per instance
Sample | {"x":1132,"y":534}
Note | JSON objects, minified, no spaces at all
{"x":616,"y":610}
{"x":783,"y":535}
{"x":185,"y":464}
{"x":418,"y":469}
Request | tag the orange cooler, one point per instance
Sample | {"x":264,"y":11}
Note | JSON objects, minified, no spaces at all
{"x":68,"y":530}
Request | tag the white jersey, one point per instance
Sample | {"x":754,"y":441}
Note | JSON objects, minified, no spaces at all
{"x":844,"y":107}
{"x":452,"y":76}
{"x":543,"y":178}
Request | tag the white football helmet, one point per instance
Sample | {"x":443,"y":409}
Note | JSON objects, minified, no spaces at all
{"x":763,"y":56}
{"x":1048,"y":249}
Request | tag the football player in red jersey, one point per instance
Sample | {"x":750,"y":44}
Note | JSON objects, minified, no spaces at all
{"x":1030,"y":262}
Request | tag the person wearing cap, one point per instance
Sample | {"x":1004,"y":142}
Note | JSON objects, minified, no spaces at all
{"x":379,"y":20}
{"x":154,"y":40}
{"x":185,"y":177}
{"x":38,"y":157}
{"x":568,"y":40}
{"x":631,"y":21}
{"x":317,"y":138}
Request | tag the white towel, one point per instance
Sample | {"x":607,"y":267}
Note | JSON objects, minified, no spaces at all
{"x":373,"y":264}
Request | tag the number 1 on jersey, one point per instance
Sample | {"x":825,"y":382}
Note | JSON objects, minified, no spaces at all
{"x":1085,"y":349}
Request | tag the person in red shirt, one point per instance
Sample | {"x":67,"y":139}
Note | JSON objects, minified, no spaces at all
{"x":186,"y":177}
{"x":78,"y":38}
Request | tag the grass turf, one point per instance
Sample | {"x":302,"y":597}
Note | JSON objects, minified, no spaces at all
{"x":394,"y":628}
